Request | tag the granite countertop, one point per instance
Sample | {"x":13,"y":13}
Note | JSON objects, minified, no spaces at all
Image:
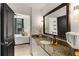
{"x":58,"y":50}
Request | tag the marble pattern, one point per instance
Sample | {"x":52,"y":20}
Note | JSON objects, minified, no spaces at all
{"x":58,"y":50}
{"x":38,"y":51}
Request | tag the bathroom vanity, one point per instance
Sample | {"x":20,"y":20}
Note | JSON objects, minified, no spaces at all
{"x":61,"y":49}
{"x":55,"y":25}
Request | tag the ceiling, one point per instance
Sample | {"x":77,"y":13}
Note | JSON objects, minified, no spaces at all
{"x":26,"y":8}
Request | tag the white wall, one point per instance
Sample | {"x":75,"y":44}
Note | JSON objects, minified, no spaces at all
{"x":27,"y":24}
{"x":74,"y":19}
{"x":36,"y":21}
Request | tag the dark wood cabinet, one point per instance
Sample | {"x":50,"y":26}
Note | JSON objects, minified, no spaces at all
{"x":7,"y":30}
{"x":0,"y":30}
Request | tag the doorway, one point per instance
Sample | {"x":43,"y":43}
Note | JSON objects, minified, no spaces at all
{"x":22,"y":35}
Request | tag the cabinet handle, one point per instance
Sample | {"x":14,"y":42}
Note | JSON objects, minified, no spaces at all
{"x":6,"y":42}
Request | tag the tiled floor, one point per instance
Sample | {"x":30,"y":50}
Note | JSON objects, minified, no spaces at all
{"x":23,"y":50}
{"x":38,"y":51}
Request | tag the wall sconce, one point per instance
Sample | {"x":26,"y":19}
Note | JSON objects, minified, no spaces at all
{"x":76,"y":10}
{"x":76,"y":13}
{"x":76,"y":7}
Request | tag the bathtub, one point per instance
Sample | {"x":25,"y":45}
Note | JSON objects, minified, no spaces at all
{"x":19,"y":39}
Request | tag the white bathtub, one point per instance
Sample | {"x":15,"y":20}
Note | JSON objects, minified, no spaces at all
{"x":19,"y":39}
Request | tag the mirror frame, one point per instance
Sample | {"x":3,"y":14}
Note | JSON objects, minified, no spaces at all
{"x":55,"y":9}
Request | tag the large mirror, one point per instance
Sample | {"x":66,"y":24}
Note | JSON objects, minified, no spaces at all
{"x":56,"y":21}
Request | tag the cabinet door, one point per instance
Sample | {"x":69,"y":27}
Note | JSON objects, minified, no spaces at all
{"x":10,"y":23}
{"x":0,"y":29}
{"x":10,"y":49}
{"x":8,"y":31}
{"x":5,"y":29}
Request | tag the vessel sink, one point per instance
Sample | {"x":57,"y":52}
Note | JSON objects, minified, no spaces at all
{"x":45,"y":42}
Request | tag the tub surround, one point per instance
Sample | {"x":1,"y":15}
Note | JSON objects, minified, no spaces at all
{"x":20,"y":39}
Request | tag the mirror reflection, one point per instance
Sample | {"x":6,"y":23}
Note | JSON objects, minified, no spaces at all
{"x":56,"y":22}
